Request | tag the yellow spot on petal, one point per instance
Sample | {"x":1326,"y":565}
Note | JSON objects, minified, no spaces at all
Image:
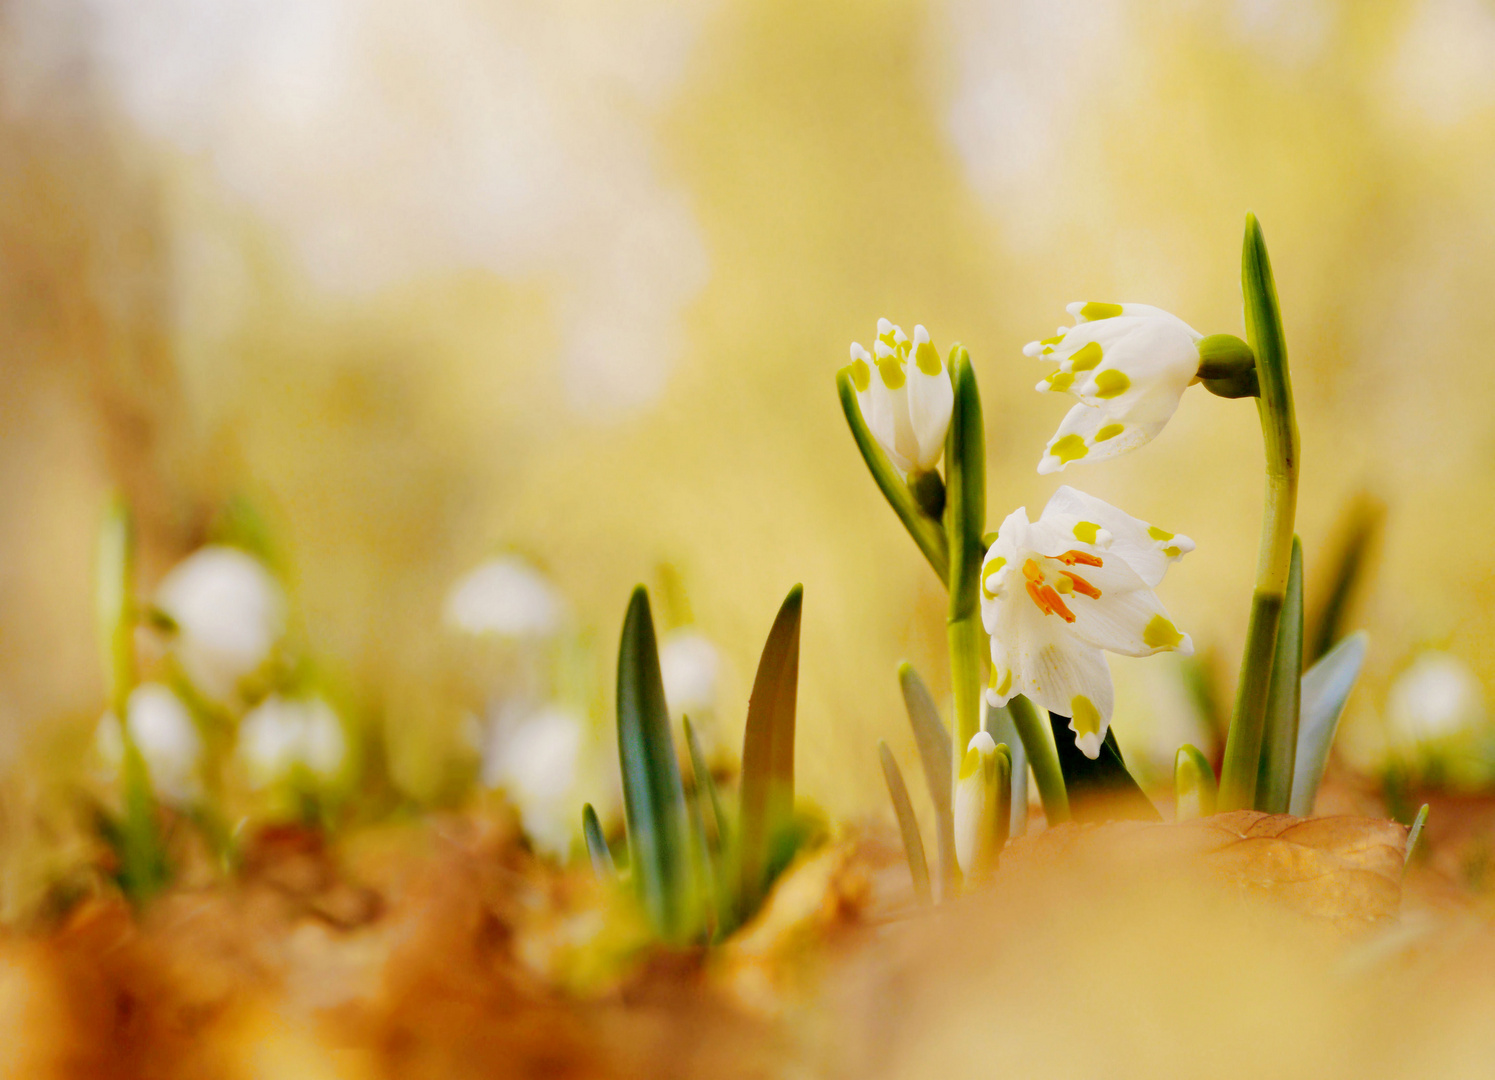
{"x":928,"y":358}
{"x":1111,"y":383}
{"x":970,"y":764}
{"x":1086,"y":357}
{"x":1070,"y":448}
{"x":1086,"y":532}
{"x":1159,"y":534}
{"x":992,"y":568}
{"x":1052,"y":340}
{"x":861,"y":375}
{"x":1085,"y":715}
{"x":1060,"y":381}
{"x":891,"y":371}
{"x":1159,"y":633}
{"x":1001,"y":680}
{"x":1096,"y":310}
{"x":1173,"y":551}
{"x":1110,"y":431}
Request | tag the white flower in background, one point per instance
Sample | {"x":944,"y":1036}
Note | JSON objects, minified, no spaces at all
{"x":905,"y":395}
{"x":1437,"y":696}
{"x":535,"y":759}
{"x":229,"y":613}
{"x":281,"y":735}
{"x":1128,"y":364}
{"x":691,"y":667}
{"x":1058,"y":591}
{"x":975,"y":816}
{"x":505,"y":596}
{"x":166,"y":737}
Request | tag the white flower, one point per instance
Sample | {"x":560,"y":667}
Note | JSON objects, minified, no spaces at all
{"x":282,"y":734}
{"x":691,"y":667}
{"x":229,"y":612}
{"x":166,"y":737}
{"x":534,"y":758}
{"x":1058,"y":591}
{"x":1437,"y":696}
{"x":975,"y":815}
{"x":1128,"y":364}
{"x":907,"y":400}
{"x":505,"y":596}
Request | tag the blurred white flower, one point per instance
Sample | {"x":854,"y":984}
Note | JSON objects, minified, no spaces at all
{"x":1437,"y":696}
{"x":1128,"y":364}
{"x":505,"y":596}
{"x":280,"y":735}
{"x":908,"y":399}
{"x":166,"y":737}
{"x":535,"y":758}
{"x":691,"y":667}
{"x":229,"y":613}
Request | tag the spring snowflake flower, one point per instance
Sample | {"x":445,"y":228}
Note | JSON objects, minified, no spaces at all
{"x":905,"y":394}
{"x":1057,"y":592}
{"x":281,"y":735}
{"x":1129,"y":365}
{"x":508,"y":597}
{"x":975,"y":817}
{"x":229,"y":613}
{"x":166,"y":737}
{"x":535,"y":757}
{"x":691,"y":668}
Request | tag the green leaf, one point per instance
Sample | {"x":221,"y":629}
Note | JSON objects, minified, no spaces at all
{"x":1102,"y":789}
{"x":1279,"y":740}
{"x":1194,"y":788}
{"x":998,"y":723}
{"x":767,"y":787}
{"x":653,"y":798}
{"x":927,"y":533}
{"x":1042,"y":756}
{"x":704,"y":780}
{"x":936,"y":755}
{"x":1358,"y":532}
{"x":1326,"y":688}
{"x":715,"y":860}
{"x":602,"y":856}
{"x":1414,"y":835}
{"x":965,"y":521}
{"x":908,"y":824}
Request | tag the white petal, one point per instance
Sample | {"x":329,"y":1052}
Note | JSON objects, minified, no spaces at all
{"x":1130,"y":623}
{"x":230,"y":612}
{"x":889,"y":421}
{"x":1130,"y":310}
{"x":1147,"y":550}
{"x":505,"y":596}
{"x":931,"y":398}
{"x":167,"y":739}
{"x":1076,"y":439}
{"x":1050,"y":664}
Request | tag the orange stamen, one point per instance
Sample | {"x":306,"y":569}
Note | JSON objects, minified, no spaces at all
{"x":1031,"y":571}
{"x":1056,"y":604}
{"x":1083,"y":587}
{"x":1070,"y":558}
{"x":1037,"y":591}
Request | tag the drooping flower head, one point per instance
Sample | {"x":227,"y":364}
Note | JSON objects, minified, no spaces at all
{"x":1128,"y":364}
{"x":229,"y":612}
{"x":282,"y":735}
{"x":905,"y":394}
{"x":166,"y":737}
{"x":1057,"y":592}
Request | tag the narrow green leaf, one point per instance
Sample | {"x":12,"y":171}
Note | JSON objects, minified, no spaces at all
{"x":1414,"y":835}
{"x":653,"y":798}
{"x":965,"y":522}
{"x":998,"y":723}
{"x":936,"y":755}
{"x":1039,"y":748}
{"x":602,"y":856}
{"x":1194,"y":788}
{"x":767,"y":787}
{"x":908,"y":824}
{"x":706,"y":876}
{"x":1279,"y":742}
{"x":927,"y":533}
{"x":704,"y":780}
{"x":1326,"y":688}
{"x":1002,"y":800}
{"x":1359,"y":530}
{"x":1102,"y":789}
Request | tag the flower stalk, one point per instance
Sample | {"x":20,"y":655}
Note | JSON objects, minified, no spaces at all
{"x":1279,"y":425}
{"x":965,"y":504}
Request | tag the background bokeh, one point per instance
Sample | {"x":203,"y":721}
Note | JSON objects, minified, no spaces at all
{"x":429,"y":279}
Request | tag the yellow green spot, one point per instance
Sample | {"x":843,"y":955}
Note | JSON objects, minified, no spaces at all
{"x":1087,"y":531}
{"x":928,"y":358}
{"x":1159,"y":633}
{"x":1060,"y":381}
{"x":1085,"y":715}
{"x":1070,"y":448}
{"x":990,"y":572}
{"x":891,"y":371}
{"x":1111,"y":383}
{"x":1173,"y":551}
{"x":1096,"y":310}
{"x":861,"y":375}
{"x":1110,"y":431}
{"x":1052,"y":340}
{"x":1001,"y":681}
{"x":1086,"y":357}
{"x":970,"y":764}
{"x":1159,"y":534}
{"x":889,"y":339}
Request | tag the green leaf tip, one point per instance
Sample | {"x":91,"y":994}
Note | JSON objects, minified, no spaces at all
{"x":936,"y":756}
{"x":602,"y":857}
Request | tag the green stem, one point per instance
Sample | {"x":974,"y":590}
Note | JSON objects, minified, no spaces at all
{"x":1279,"y":426}
{"x":1034,"y":733}
{"x":965,"y":504}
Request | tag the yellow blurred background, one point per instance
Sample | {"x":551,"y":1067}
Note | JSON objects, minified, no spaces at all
{"x":429,"y":280}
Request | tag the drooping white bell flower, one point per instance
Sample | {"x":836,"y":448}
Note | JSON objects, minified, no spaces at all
{"x":167,"y":738}
{"x":690,"y":665}
{"x":975,"y":816}
{"x":505,"y":596}
{"x":535,"y":758}
{"x":1057,"y":592}
{"x":1129,"y":365}
{"x":1438,"y":696}
{"x":281,"y":735}
{"x":905,"y":395}
{"x":229,"y":612}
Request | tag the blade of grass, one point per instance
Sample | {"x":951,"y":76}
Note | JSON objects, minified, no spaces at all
{"x":767,"y":787}
{"x":1279,"y":742}
{"x":908,"y":824}
{"x":936,"y":756}
{"x":1326,"y":688}
{"x":653,"y":798}
{"x":1101,"y":789}
{"x":602,"y":856}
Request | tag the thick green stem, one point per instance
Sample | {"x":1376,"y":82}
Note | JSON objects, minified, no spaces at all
{"x":1279,"y":425}
{"x":1033,"y":730}
{"x":965,"y":504}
